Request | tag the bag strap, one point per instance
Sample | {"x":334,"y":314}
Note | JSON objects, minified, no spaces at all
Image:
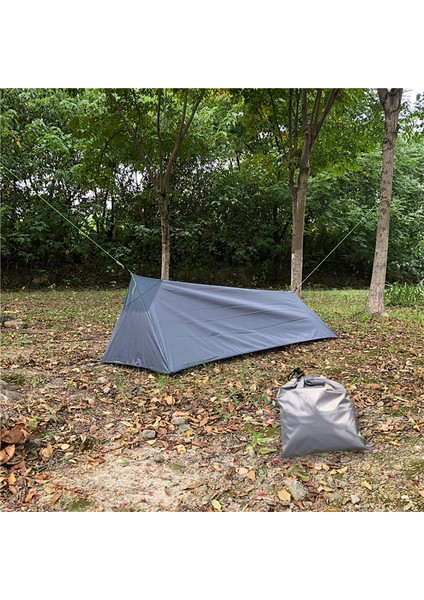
{"x":297,"y":372}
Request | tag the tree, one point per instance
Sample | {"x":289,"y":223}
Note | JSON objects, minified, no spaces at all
{"x":38,"y":157}
{"x":391,"y":102}
{"x":282,"y":127}
{"x":159,"y":161}
{"x":311,"y":124}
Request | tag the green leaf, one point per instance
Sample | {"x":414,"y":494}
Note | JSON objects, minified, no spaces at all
{"x":216,"y":505}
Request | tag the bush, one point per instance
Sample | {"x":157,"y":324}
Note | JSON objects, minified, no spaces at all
{"x":404,"y":294}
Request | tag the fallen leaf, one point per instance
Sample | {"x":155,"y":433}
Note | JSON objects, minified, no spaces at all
{"x":55,"y":498}
{"x":7,"y":453}
{"x":30,"y":495}
{"x":365,"y":484}
{"x":242,"y":470}
{"x":49,"y":488}
{"x":265,"y":450}
{"x":193,"y":486}
{"x":421,"y":493}
{"x":47,"y":452}
{"x":299,"y":472}
{"x":247,"y":491}
{"x":18,"y":434}
{"x":41,"y":476}
{"x":11,"y":479}
{"x":284,"y":495}
{"x":216,"y":505}
{"x":251,"y":475}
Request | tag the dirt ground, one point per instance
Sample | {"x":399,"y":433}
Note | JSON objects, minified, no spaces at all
{"x":98,"y":438}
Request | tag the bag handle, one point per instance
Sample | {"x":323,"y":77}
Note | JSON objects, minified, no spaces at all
{"x":303,"y":380}
{"x":296,"y":372}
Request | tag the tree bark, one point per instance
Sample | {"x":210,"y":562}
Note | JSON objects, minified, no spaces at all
{"x":391,"y":102}
{"x":166,"y":235}
{"x":311,"y":126}
{"x":299,"y":209}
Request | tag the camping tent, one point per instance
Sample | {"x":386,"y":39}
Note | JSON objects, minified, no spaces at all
{"x":167,"y":326}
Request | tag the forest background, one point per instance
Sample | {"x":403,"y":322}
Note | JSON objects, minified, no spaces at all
{"x":229,"y":197}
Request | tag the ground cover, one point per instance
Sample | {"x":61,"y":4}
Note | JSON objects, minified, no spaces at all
{"x":84,"y":436}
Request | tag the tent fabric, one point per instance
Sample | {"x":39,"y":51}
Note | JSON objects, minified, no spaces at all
{"x":168,"y":326}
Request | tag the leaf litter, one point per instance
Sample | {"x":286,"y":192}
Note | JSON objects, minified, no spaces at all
{"x":83,"y":436}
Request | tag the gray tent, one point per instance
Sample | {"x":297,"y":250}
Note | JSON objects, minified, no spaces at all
{"x":167,"y":326}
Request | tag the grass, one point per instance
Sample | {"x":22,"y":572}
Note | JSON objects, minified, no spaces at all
{"x":404,"y":294}
{"x":230,"y":405}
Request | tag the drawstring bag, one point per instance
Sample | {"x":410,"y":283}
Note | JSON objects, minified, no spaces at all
{"x":317,"y":416}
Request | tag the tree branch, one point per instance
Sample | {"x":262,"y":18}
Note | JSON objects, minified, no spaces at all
{"x":159,"y":138}
{"x":277,"y":132}
{"x":382,"y":94}
{"x":327,"y":106}
{"x":304,"y":109}
{"x":135,"y":139}
{"x":390,"y":98}
{"x":315,"y":110}
{"x":181,"y":135}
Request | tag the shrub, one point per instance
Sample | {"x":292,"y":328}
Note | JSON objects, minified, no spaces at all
{"x":404,"y":294}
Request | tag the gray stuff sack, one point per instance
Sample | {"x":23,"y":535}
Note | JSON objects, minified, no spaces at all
{"x":317,"y":416}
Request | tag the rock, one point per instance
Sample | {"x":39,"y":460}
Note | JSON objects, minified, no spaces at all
{"x":355,"y":498}
{"x":178,"y":421}
{"x":148,"y":434}
{"x":101,"y":380}
{"x":4,"y":414}
{"x":15,"y":324}
{"x":335,"y":497}
{"x":183,"y":427}
{"x":158,"y":458}
{"x":8,"y":394}
{"x":296,"y":489}
{"x":8,"y":400}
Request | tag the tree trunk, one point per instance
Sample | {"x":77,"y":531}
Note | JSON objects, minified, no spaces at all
{"x":391,"y":101}
{"x":311,"y":125}
{"x":299,"y":208}
{"x":166,"y":236}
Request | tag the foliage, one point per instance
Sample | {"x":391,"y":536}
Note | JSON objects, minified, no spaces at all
{"x":229,"y":201}
{"x":404,"y":294}
{"x":340,"y":203}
